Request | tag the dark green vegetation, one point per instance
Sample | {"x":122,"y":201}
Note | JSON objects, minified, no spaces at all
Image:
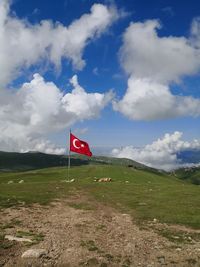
{"x":191,"y":175}
{"x":10,"y":161}
{"x":90,"y":245}
{"x":145,"y":194}
{"x":94,"y":160}
{"x":35,"y":237}
{"x":179,"y":237}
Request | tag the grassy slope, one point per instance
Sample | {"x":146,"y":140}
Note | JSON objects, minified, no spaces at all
{"x":11,"y":161}
{"x":111,"y":161}
{"x":189,"y":174}
{"x":144,"y":194}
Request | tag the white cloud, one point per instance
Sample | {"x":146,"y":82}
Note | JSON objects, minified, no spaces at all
{"x":95,"y":71}
{"x":82,"y":104}
{"x":153,"y":63}
{"x":149,"y":100}
{"x":39,"y":108}
{"x":195,"y":32}
{"x":41,"y":145}
{"x":80,"y":131}
{"x":24,"y":44}
{"x":164,"y":59}
{"x":161,"y":154}
{"x":168,"y":10}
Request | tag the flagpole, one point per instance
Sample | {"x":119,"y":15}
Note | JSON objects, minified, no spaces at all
{"x":69,"y":159}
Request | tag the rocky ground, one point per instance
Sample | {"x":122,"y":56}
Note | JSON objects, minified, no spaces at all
{"x":80,"y":232}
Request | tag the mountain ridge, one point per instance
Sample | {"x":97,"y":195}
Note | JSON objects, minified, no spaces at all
{"x":33,"y":160}
{"x":15,"y":161}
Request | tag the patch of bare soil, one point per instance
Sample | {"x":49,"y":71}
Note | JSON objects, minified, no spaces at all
{"x":77,"y":232}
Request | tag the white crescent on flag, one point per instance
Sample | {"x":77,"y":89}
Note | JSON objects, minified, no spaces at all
{"x":74,"y":144}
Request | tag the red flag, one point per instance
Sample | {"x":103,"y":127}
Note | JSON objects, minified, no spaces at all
{"x":79,"y":146}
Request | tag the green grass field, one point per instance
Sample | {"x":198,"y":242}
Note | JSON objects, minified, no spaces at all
{"x":143,"y":194}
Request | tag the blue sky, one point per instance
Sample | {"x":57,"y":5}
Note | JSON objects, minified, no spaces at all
{"x":113,"y":61}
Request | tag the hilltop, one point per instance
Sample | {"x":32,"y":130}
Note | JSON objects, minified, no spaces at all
{"x":12,"y":161}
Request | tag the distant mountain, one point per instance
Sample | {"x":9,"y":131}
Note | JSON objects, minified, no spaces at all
{"x":12,"y":161}
{"x":191,"y":174}
{"x":189,"y":156}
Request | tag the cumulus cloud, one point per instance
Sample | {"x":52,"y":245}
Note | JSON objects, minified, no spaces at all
{"x":152,"y":64}
{"x":163,"y":59}
{"x":24,"y":44}
{"x":39,"y":108}
{"x":195,"y":32}
{"x":41,"y":145}
{"x":82,"y":104}
{"x":149,"y":100}
{"x":161,"y":154}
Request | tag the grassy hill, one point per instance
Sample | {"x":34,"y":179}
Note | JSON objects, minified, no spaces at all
{"x":10,"y":161}
{"x":189,"y":174}
{"x":142,"y":193}
{"x":115,"y":161}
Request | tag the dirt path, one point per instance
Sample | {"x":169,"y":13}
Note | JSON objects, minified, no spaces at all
{"x":76,"y":233}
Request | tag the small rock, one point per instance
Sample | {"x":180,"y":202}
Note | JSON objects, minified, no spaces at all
{"x":21,"y":182}
{"x":18,"y":239}
{"x":161,"y":260}
{"x":104,"y":180}
{"x":10,"y":182}
{"x":69,"y":181}
{"x":155,"y":220}
{"x":178,"y":249}
{"x":22,"y":203}
{"x":34,"y":253}
{"x":175,"y":237}
{"x":142,"y":204}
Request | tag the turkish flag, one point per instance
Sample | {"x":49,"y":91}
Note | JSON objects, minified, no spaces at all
{"x":79,"y":146}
